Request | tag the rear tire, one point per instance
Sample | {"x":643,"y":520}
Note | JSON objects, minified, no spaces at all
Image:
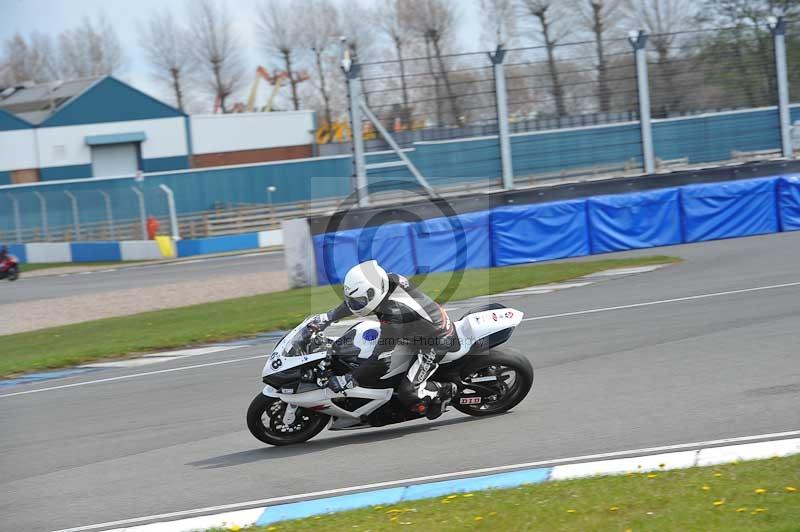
{"x":265,"y":421}
{"x":506,"y":365}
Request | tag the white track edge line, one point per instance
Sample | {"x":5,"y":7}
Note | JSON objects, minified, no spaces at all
{"x":662,"y":301}
{"x":132,"y":376}
{"x":391,"y":483}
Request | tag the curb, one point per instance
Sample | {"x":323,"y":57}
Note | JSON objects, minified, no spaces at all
{"x":411,"y":491}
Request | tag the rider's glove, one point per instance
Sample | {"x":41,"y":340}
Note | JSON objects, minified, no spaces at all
{"x":318,"y":323}
{"x":340,"y":383}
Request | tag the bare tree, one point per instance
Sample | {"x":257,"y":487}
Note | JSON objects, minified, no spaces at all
{"x":395,"y":22}
{"x":435,"y":21}
{"x":319,"y":35}
{"x":599,"y":17}
{"x":28,"y":59}
{"x":167,"y":48}
{"x":663,"y":20}
{"x":217,"y":50}
{"x":501,"y":22}
{"x":548,"y":19}
{"x":279,"y":31}
{"x":357,"y":23}
{"x":91,"y":49}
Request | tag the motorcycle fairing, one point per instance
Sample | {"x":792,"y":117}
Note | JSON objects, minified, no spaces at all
{"x":320,"y":400}
{"x":474,"y":327}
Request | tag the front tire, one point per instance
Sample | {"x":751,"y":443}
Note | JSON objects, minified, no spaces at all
{"x":265,"y":421}
{"x":13,"y":273}
{"x":513,"y":379}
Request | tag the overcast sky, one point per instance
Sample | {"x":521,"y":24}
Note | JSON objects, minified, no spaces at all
{"x":53,"y":16}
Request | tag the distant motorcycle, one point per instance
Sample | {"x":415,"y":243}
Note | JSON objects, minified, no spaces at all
{"x":9,"y":268}
{"x":296,"y":404}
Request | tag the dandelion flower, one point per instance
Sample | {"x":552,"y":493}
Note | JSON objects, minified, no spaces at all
{"x":759,"y":510}
{"x":740,"y":510}
{"x":394,"y":511}
{"x":614,"y":508}
{"x":652,"y":475}
{"x":445,"y":501}
{"x":719,"y":502}
{"x":760,"y":491}
{"x":234,"y":528}
{"x":468,"y":495}
{"x":451,"y":496}
{"x":394,"y":518}
{"x":492,"y":513}
{"x":571,"y":511}
{"x":378,"y":507}
{"x":705,"y":488}
{"x":272,"y":528}
{"x":790,"y":489}
{"x":478,"y":518}
{"x":717,"y":474}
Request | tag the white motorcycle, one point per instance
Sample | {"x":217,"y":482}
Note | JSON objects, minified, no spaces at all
{"x":296,"y":404}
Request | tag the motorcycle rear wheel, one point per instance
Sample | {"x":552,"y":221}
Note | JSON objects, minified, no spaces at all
{"x":513,"y":377}
{"x":265,"y":421}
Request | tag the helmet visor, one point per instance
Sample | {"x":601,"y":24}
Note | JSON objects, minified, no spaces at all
{"x":356,"y":303}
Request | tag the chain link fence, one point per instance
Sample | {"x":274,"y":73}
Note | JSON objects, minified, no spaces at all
{"x":582,"y":108}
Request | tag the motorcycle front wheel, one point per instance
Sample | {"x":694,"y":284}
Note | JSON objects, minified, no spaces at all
{"x":265,"y":421}
{"x":493,"y":382}
{"x":13,"y":274}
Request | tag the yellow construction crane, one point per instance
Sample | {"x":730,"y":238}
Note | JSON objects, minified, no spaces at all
{"x":275,"y":80}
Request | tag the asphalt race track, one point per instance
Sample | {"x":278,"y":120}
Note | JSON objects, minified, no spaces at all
{"x":672,"y":371}
{"x":138,"y":276}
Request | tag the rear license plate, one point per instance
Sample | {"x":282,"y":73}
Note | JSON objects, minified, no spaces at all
{"x":470,"y":400}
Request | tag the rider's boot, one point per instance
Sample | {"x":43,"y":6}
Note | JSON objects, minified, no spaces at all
{"x":438,"y":404}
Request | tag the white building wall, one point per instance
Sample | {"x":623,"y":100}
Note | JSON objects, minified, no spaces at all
{"x":66,"y":145}
{"x":18,"y":150}
{"x":251,"y":131}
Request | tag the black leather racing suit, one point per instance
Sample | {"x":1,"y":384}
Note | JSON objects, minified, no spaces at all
{"x":408,"y":316}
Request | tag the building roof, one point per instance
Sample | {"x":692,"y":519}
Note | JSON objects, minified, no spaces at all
{"x":81,"y":101}
{"x":37,"y":103}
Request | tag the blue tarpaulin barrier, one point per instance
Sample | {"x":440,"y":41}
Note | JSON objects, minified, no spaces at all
{"x":453,"y":243}
{"x":789,"y":203}
{"x":729,"y":209}
{"x":95,"y":252}
{"x":638,"y":220}
{"x":532,"y":233}
{"x":217,"y":244}
{"x":389,"y":244}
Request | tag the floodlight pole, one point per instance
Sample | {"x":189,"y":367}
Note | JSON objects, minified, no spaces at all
{"x":142,"y":211}
{"x":17,"y":224}
{"x":43,"y":206}
{"x":109,"y":213}
{"x":173,"y":216}
{"x":502,"y":116}
{"x":75,"y":214}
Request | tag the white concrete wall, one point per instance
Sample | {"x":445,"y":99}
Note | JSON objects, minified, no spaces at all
{"x":251,"y":131}
{"x":140,"y":250}
{"x":49,"y":252}
{"x":66,"y":146}
{"x":18,"y":150}
{"x":268,"y":239}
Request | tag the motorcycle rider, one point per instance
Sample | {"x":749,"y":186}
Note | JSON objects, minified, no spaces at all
{"x":3,"y":254}
{"x":409,"y":317}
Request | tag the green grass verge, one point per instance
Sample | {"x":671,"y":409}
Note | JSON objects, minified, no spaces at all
{"x":707,"y":498}
{"x":28,"y":267}
{"x":234,"y":318}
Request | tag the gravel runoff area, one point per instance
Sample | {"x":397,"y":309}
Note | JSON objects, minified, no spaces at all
{"x":52,"y":312}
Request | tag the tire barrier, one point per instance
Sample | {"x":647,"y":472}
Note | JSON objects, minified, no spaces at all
{"x":545,"y":231}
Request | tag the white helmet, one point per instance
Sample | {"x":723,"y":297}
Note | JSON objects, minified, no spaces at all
{"x":365,"y":286}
